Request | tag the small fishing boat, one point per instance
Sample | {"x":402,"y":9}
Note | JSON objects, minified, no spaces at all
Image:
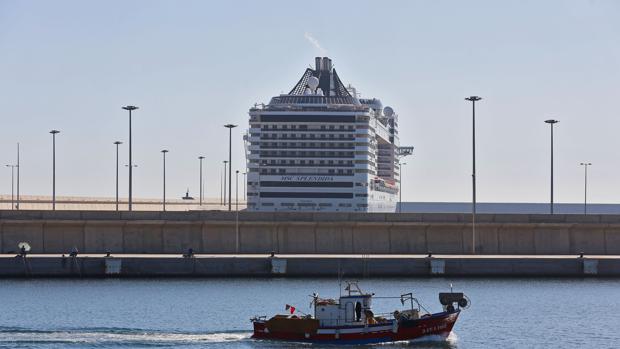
{"x":350,"y":320}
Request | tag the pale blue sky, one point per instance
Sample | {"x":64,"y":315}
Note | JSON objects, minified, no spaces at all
{"x":193,"y":66}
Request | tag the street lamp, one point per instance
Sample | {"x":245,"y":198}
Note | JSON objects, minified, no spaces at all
{"x":164,"y":178}
{"x":201,"y":158}
{"x":230,"y":127}
{"x":400,"y":192}
{"x":237,"y":190}
{"x":244,"y":187}
{"x":130,"y":108}
{"x":17,"y":204}
{"x":117,"y":143}
{"x":585,"y":186}
{"x":237,"y":211}
{"x":473,"y":100}
{"x":54,"y":133}
{"x":12,"y":185}
{"x":551,"y":122}
{"x":224,"y":187}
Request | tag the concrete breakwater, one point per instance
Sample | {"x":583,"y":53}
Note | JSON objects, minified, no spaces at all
{"x":305,"y":265}
{"x":216,"y":232}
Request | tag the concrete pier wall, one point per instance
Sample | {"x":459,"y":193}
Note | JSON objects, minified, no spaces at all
{"x":307,"y":233}
{"x":306,"y":265}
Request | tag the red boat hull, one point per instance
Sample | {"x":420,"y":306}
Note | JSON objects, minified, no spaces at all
{"x":439,"y":324}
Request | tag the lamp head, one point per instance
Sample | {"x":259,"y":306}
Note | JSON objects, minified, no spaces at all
{"x":54,"y":132}
{"x":552,"y":121}
{"x":230,"y":126}
{"x":201,"y":157}
{"x":473,"y":98}
{"x":130,"y":107}
{"x":164,"y":151}
{"x":225,"y":161}
{"x":118,"y":142}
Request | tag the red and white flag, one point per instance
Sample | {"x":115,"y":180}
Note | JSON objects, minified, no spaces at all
{"x":290,"y":308}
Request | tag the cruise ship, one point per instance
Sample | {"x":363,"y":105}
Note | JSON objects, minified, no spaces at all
{"x":321,"y":147}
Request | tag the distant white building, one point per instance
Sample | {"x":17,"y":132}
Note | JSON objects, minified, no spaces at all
{"x":322,"y":148}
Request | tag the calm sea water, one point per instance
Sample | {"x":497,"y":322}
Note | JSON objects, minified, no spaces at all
{"x":214,"y":313}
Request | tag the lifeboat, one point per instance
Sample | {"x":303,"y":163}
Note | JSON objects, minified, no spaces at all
{"x":351,"y":320}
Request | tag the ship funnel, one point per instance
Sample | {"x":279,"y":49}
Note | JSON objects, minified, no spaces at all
{"x":317,"y":63}
{"x":326,"y":64}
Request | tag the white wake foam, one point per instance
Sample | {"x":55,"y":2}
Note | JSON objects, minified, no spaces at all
{"x":116,"y":337}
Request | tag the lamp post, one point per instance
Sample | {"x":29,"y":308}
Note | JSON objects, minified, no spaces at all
{"x":163,"y":152}
{"x":224,"y":187}
{"x":54,"y":133}
{"x":230,"y":127}
{"x":585,"y":186}
{"x":551,"y":122}
{"x":244,"y":187}
{"x":17,"y":203}
{"x":473,"y":100}
{"x":117,"y":143}
{"x":201,"y":191}
{"x":130,"y":108}
{"x":12,"y":185}
{"x":237,"y":211}
{"x":400,"y":191}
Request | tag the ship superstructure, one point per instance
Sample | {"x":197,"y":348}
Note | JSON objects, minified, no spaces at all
{"x":323,"y":148}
